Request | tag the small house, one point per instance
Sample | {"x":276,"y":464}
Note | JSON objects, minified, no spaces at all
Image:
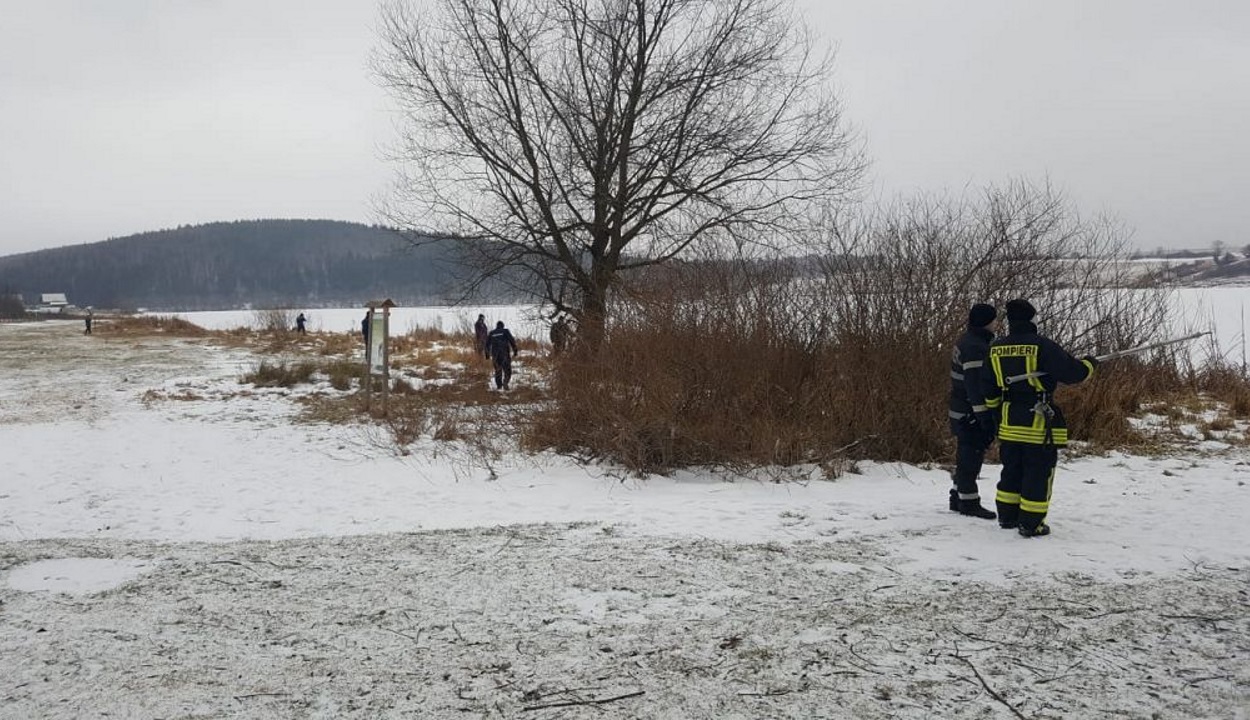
{"x":52,"y":303}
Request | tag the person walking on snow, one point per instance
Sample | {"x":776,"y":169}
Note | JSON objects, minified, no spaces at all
{"x":971,"y":422}
{"x":299,"y":323}
{"x":501,"y":347}
{"x":1031,"y":428}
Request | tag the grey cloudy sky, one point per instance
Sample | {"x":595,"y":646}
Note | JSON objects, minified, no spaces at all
{"x":121,"y":116}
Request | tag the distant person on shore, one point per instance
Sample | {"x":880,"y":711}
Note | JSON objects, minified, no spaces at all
{"x":364,"y":329}
{"x":559,"y":334}
{"x":480,"y":332}
{"x":502,"y":348}
{"x":87,"y":320}
{"x":299,"y":323}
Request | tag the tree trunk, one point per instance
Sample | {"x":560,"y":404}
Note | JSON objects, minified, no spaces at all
{"x":590,"y":326}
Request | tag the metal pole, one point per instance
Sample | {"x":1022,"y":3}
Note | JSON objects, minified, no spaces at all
{"x":386,"y":359}
{"x":1113,"y":355}
{"x":368,"y":378}
{"x":1149,"y":346}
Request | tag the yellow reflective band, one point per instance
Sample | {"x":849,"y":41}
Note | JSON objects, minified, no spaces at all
{"x":997,"y":367}
{"x":1034,"y":507}
{"x":993,"y":402}
{"x":1007,"y":498}
{"x":1032,"y":435}
{"x":1030,"y":366}
{"x":1091,"y":367}
{"x":1039,"y":421}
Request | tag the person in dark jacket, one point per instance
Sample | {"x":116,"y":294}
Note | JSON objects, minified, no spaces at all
{"x":299,"y":323}
{"x":559,"y":334}
{"x":480,"y":331}
{"x":502,"y":348}
{"x":1025,"y":368}
{"x":971,"y":421}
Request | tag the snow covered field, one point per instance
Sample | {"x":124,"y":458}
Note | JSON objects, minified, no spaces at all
{"x":207,"y":557}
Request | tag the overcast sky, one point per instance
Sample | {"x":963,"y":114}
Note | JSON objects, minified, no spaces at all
{"x":122,"y":116}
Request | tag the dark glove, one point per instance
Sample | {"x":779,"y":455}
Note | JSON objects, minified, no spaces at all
{"x":1091,"y":360}
{"x":987,"y":423}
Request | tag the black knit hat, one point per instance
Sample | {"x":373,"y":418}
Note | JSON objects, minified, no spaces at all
{"x":981,"y":315}
{"x":1019,"y":310}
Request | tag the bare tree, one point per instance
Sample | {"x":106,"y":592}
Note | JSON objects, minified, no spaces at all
{"x":563,"y":143}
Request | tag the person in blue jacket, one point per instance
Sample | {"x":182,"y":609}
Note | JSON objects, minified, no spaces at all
{"x":501,"y":347}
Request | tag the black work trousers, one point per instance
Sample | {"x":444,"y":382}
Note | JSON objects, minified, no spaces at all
{"x":970,"y":447}
{"x":1025,"y":485}
{"x":503,"y":370}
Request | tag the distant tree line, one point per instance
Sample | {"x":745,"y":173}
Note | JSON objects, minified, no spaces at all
{"x":309,"y":263}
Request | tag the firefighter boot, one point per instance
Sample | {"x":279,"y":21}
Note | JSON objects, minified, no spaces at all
{"x":974,"y":509}
{"x":1039,"y":531}
{"x":1033,"y":525}
{"x":1008,"y":516}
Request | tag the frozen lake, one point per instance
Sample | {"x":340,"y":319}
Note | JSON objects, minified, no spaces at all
{"x":523,"y":320}
{"x":1219,"y":309}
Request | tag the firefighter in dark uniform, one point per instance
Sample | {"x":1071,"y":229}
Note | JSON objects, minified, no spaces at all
{"x":971,"y":421}
{"x":1024,"y":370}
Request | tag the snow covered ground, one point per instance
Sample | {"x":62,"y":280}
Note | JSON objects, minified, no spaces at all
{"x":203,"y":555}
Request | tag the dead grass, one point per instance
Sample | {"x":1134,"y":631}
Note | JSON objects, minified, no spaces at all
{"x":670,"y":388}
{"x":1211,"y":401}
{"x":269,"y":374}
{"x":145,"y":325}
{"x":153,"y":396}
{"x":652,"y":398}
{"x":342,"y":372}
{"x":339,"y":410}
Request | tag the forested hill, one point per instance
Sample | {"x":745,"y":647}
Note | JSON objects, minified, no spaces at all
{"x":265,"y":263}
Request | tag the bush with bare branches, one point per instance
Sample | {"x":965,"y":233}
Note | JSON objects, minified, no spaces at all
{"x":774,"y":362}
{"x":274,"y":320}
